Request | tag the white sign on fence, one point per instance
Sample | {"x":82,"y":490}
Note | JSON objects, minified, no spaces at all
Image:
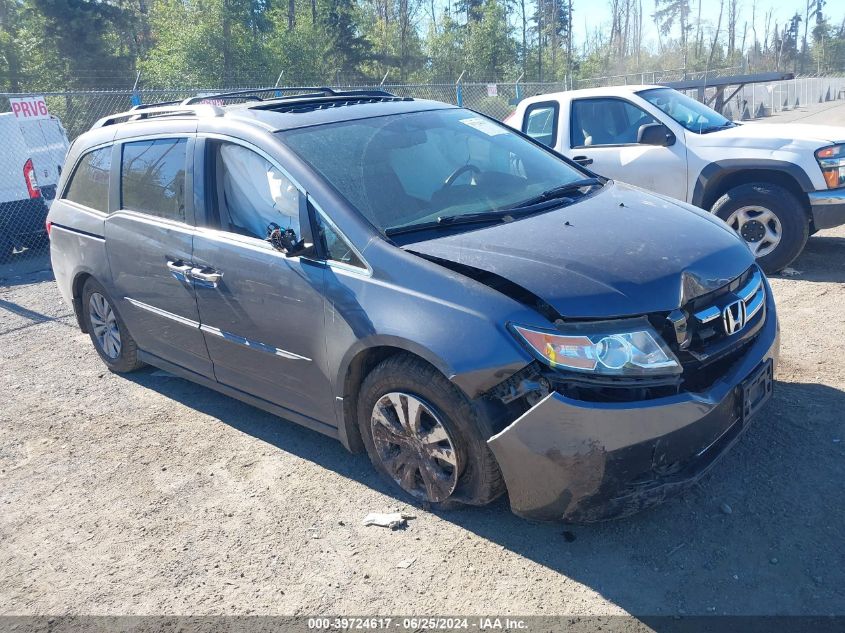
{"x":492,"y":90}
{"x":29,"y":108}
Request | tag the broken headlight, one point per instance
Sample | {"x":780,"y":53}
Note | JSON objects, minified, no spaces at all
{"x":615,"y":348}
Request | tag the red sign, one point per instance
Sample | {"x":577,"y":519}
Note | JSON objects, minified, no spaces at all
{"x":29,"y":108}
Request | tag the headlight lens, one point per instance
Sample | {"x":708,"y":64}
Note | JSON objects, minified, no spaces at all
{"x":607,"y":348}
{"x":832,"y":162}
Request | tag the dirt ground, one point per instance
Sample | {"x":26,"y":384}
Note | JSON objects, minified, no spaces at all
{"x":146,"y":494}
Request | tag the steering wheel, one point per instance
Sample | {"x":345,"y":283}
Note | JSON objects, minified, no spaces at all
{"x":458,"y":172}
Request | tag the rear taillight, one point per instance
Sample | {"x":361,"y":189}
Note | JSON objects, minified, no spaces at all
{"x":31,"y":180}
{"x":48,"y":225}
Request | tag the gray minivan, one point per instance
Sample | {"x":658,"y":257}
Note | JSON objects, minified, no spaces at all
{"x":421,"y":282}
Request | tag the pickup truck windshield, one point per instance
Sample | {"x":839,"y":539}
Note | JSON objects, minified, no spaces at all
{"x":693,"y":115}
{"x":416,"y":168}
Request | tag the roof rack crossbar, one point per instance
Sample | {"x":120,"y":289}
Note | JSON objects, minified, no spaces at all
{"x":253,"y":93}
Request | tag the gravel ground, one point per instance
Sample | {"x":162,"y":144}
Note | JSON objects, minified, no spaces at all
{"x":146,"y":494}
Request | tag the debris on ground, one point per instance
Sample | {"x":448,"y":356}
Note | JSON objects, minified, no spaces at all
{"x":790,"y":272}
{"x":726,"y":508}
{"x":393,"y":520}
{"x":404,"y":564}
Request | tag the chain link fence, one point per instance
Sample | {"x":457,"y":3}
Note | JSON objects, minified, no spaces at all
{"x":33,"y":151}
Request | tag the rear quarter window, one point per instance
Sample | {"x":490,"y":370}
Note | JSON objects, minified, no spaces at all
{"x":152,"y":177}
{"x":89,"y":184}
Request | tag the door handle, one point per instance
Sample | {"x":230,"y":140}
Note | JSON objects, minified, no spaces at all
{"x":207,"y":277}
{"x":179,"y":269}
{"x":583,"y":160}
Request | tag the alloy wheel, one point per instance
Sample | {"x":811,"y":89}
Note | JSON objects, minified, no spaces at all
{"x":104,"y":325}
{"x":759,"y":227}
{"x":414,"y":446}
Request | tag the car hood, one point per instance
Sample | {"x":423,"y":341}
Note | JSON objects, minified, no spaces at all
{"x":773,"y":136}
{"x":619,"y":252}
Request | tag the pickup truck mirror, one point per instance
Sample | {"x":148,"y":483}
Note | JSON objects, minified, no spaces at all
{"x":655,"y":134}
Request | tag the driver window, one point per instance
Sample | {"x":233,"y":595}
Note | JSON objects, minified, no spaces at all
{"x":606,"y":122}
{"x":251,"y":193}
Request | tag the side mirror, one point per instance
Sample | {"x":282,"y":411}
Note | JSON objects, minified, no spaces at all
{"x":286,"y":241}
{"x":655,"y":134}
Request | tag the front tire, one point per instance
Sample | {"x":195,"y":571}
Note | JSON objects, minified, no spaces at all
{"x":770,"y":219}
{"x":107,"y":330}
{"x":425,"y":437}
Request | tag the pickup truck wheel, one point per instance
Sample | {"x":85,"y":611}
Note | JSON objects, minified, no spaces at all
{"x":107,"y":330}
{"x":770,"y":219}
{"x":424,"y":436}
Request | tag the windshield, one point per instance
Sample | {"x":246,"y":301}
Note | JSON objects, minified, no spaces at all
{"x":408,"y":169}
{"x":692,"y":114}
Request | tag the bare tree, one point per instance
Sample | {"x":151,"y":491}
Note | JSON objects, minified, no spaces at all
{"x":733,"y":16}
{"x":810,"y":3}
{"x":716,"y":34}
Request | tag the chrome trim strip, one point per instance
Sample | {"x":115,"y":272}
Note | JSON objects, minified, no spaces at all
{"x":708,"y":314}
{"x":750,"y":289}
{"x":234,"y":338}
{"x":753,"y":307}
{"x":240,"y":340}
{"x":163,"y":313}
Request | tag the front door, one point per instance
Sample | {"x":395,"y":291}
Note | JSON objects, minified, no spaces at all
{"x":149,"y":242}
{"x":603,"y":136}
{"x":261,"y":312}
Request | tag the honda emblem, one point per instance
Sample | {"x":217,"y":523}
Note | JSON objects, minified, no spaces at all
{"x":733,"y":317}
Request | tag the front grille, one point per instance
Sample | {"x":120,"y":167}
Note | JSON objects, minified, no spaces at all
{"x":710,"y":323}
{"x":719,"y":326}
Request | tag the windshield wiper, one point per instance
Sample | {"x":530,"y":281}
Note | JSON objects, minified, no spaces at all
{"x":716,"y":128}
{"x":556,"y":193}
{"x":445,"y":221}
{"x":546,"y":200}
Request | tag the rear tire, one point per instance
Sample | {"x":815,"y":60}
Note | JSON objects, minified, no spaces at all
{"x":770,"y":219}
{"x":107,"y":330}
{"x":440,"y":456}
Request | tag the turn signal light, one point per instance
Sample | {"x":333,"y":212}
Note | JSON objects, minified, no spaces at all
{"x":831,"y":177}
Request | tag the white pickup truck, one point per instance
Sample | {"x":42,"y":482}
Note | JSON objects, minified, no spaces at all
{"x":774,"y":184}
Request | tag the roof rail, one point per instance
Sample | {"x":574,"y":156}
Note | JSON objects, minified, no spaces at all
{"x":197,"y":110}
{"x":146,"y":106}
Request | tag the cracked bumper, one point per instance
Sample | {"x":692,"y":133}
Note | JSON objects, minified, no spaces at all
{"x":589,"y":461}
{"x":828,"y":208}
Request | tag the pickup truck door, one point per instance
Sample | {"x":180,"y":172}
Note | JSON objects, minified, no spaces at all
{"x":602,"y":136}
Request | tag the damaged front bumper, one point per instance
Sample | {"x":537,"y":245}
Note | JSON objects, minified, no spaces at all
{"x":578,"y":461}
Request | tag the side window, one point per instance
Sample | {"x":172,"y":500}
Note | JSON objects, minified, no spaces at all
{"x":336,"y":246}
{"x":540,"y":123}
{"x":89,"y":184}
{"x":250,"y":193}
{"x":606,"y":122}
{"x":152,"y":177}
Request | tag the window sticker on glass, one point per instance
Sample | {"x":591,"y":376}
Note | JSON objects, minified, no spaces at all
{"x":483,"y":125}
